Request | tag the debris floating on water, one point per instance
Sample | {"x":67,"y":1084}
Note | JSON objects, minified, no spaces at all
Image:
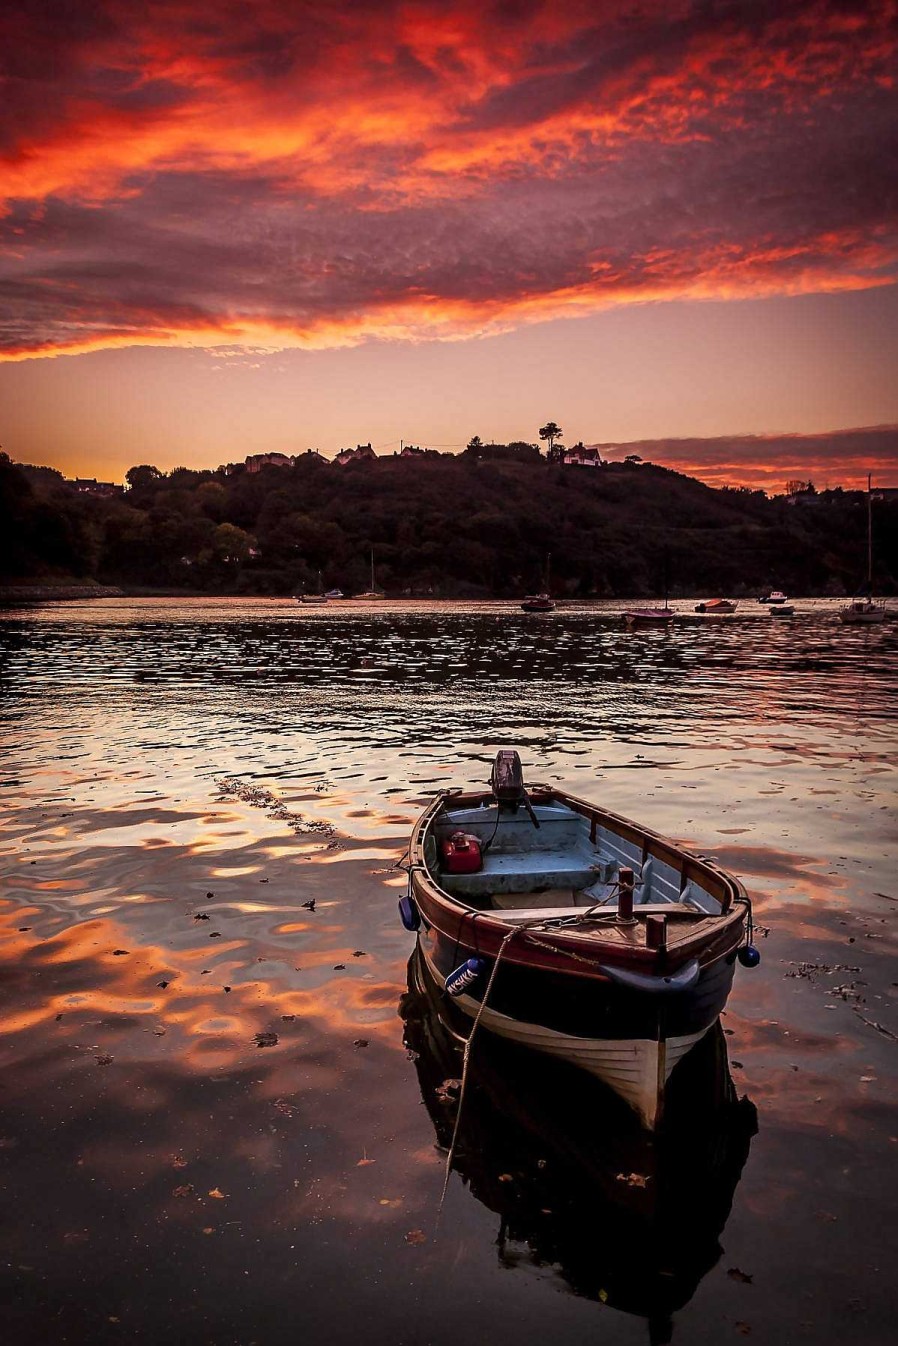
{"x":231,"y":787}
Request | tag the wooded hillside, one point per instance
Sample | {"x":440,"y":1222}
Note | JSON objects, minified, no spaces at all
{"x":446,"y":525}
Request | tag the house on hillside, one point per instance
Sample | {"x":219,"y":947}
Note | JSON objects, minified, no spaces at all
{"x":256,"y":461}
{"x":581,"y":456}
{"x":90,"y":486}
{"x":801,"y":493}
{"x":361,"y":453}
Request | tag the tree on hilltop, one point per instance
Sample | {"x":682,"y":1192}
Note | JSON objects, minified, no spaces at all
{"x":144,"y":475}
{"x":550,"y":431}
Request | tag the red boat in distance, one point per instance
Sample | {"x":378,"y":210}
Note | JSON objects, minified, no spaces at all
{"x":638,"y":617}
{"x":538,"y":603}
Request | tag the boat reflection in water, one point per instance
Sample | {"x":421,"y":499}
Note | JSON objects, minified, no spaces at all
{"x":623,"y":1217}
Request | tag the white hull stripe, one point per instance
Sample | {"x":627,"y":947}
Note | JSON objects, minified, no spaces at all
{"x":635,"y":1068}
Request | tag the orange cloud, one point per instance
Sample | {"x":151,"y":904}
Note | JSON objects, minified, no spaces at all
{"x":417,"y":170}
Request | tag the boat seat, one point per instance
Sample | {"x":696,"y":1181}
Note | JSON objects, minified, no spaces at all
{"x":517,"y":915}
{"x":521,"y":872}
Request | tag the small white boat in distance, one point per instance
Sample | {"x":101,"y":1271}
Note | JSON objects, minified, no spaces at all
{"x":863,"y":612}
{"x":775,"y":596}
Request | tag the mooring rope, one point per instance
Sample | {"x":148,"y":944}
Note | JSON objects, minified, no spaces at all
{"x":515,"y":930}
{"x":544,"y":922}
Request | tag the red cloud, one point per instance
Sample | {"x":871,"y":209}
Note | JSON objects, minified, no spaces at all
{"x":578,"y":160}
{"x":767,"y":462}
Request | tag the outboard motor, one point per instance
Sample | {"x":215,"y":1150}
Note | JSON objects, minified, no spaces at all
{"x":507,"y":784}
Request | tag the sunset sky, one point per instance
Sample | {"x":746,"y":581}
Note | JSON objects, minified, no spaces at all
{"x":240,"y":227}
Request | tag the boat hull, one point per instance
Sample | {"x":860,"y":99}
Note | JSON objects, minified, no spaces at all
{"x":636,"y":1068}
{"x":862,"y":616}
{"x":716,"y":607}
{"x":628,"y":1039}
{"x":648,"y":617}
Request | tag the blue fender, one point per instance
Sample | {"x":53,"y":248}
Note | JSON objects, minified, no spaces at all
{"x":682,"y":980}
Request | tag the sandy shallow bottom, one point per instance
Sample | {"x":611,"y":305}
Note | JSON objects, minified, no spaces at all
{"x":223,"y":1116}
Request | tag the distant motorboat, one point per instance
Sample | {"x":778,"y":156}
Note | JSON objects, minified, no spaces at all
{"x":316,"y":599}
{"x":538,"y":603}
{"x":775,"y":596}
{"x":864,"y":610}
{"x":334,"y":593}
{"x":716,"y":605}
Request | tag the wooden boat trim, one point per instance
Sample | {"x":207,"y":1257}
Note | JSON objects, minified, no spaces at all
{"x":580,"y":952}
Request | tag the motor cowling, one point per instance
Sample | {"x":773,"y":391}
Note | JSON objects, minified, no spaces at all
{"x":461,"y":854}
{"x":507,"y":779}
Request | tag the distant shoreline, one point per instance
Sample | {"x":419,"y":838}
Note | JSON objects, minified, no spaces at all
{"x":15,"y":594}
{"x":45,"y":593}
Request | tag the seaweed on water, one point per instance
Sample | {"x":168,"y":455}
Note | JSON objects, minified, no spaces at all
{"x":231,"y":787}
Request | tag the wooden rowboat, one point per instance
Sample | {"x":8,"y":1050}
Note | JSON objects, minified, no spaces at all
{"x":579,"y":933}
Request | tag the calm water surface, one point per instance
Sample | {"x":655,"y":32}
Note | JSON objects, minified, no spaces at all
{"x":205,"y":804}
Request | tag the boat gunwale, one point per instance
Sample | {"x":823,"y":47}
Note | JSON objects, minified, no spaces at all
{"x":485,"y":930}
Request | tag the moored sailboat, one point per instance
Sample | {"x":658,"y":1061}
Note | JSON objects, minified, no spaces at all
{"x":864,"y":610}
{"x":636,"y":617}
{"x":543,"y":601}
{"x":373,"y":593}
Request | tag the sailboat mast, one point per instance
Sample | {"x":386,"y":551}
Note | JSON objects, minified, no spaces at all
{"x":869,"y":535}
{"x":372,"y":570}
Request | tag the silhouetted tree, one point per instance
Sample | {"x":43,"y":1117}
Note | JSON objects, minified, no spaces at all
{"x":145,"y":475}
{"x":550,"y":431}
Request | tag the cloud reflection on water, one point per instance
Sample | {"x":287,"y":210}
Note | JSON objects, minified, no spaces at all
{"x":121,"y":718}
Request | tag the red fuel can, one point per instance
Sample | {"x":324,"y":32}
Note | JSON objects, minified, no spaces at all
{"x":461,"y":854}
